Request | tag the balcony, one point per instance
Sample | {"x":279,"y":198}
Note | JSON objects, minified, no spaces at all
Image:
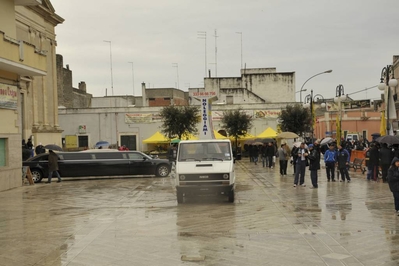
{"x":28,"y":2}
{"x":21,"y":58}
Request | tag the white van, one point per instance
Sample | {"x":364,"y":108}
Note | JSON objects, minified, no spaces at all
{"x":204,"y":167}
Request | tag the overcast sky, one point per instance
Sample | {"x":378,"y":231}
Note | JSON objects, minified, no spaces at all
{"x":354,"y":38}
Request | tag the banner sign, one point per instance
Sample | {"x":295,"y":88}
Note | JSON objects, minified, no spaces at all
{"x":267,"y":113}
{"x":204,"y":94}
{"x":82,"y":129}
{"x":8,"y":96}
{"x":142,"y":118}
{"x":356,"y":104}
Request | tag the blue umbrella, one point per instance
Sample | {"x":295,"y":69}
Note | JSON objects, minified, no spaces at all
{"x":102,"y":143}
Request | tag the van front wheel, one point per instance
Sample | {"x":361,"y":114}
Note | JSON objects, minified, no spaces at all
{"x":231,"y":196}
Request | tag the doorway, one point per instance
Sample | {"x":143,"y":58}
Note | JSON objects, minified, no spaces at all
{"x":129,"y":141}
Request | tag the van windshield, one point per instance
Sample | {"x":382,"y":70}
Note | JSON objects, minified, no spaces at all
{"x":204,"y":151}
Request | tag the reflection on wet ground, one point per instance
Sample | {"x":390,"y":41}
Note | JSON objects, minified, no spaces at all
{"x":136,"y":221}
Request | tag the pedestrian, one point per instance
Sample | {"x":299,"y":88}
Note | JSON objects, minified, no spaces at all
{"x":29,"y":145}
{"x":263,"y":154}
{"x":373,"y":162}
{"x":53,"y":166}
{"x":386,"y":155}
{"x":172,"y":152}
{"x":255,"y":154}
{"x":329,"y":160}
{"x":282,"y":155}
{"x":301,"y":163}
{"x":314,"y":165}
{"x":393,"y":181}
{"x":270,"y":152}
{"x":40,"y":149}
{"x":343,"y":159}
{"x":294,"y":155}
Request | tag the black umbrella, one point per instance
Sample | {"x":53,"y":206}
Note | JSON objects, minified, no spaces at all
{"x":53,"y":147}
{"x":388,"y":139}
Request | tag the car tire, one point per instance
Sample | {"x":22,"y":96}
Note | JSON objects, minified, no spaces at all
{"x":162,"y":170}
{"x":231,"y":196}
{"x":37,"y":175}
{"x":180,"y":197}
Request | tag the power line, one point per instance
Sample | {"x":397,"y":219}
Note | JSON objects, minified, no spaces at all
{"x":359,"y":91}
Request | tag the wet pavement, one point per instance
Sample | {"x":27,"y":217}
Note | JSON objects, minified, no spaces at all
{"x":136,"y":221}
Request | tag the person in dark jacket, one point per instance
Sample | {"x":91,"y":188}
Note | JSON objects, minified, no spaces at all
{"x":393,"y":181}
{"x":314,"y":164}
{"x":386,"y":155}
{"x":301,"y":160}
{"x":343,"y":159}
{"x":40,"y":149}
{"x":53,"y":166}
{"x":255,"y":154}
{"x":270,"y":152}
{"x":373,"y":162}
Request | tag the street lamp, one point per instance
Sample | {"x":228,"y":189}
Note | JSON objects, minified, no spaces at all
{"x":339,"y":96}
{"x":301,"y":90}
{"x":309,"y":100}
{"x":387,"y":74}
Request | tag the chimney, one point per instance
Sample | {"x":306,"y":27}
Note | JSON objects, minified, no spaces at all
{"x":143,"y":93}
{"x":67,"y":66}
{"x":82,"y":86}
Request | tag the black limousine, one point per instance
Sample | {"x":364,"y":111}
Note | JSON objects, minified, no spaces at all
{"x":99,"y":163}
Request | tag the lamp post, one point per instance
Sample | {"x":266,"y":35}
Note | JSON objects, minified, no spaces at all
{"x":309,"y":101}
{"x":339,"y":96}
{"x":387,"y":75}
{"x":301,"y":90}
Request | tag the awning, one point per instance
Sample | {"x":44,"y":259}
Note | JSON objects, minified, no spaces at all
{"x":218,"y":135}
{"x":268,"y":133}
{"x":157,"y":138}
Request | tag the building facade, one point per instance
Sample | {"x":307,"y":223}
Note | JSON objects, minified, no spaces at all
{"x":256,"y":85}
{"x":28,"y":95}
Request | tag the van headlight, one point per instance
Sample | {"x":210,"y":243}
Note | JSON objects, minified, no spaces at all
{"x":225,"y":176}
{"x":182,"y":177}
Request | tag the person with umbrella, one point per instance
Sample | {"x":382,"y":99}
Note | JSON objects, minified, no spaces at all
{"x":372,"y":162}
{"x":53,"y":166}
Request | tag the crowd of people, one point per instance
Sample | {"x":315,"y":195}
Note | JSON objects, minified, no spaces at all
{"x":381,"y":159}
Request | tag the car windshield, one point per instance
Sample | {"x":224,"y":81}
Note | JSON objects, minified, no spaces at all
{"x":205,"y":151}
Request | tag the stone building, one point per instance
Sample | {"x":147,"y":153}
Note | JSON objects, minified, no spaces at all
{"x":68,"y":96}
{"x":28,"y":94}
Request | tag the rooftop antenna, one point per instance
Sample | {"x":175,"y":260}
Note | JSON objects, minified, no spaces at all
{"x":202,"y":35}
{"x":216,"y":54}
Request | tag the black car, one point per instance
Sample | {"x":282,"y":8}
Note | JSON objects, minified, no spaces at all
{"x":92,"y":163}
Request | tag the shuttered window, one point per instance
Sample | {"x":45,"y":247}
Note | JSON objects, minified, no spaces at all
{"x":2,"y":152}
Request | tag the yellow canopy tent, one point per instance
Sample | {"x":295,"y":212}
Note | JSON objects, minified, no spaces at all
{"x":157,"y":138}
{"x":189,"y":136}
{"x":245,"y":137}
{"x":218,"y":135}
{"x":268,"y":133}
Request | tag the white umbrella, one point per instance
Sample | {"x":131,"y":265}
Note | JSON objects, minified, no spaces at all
{"x":298,"y":143}
{"x":287,"y":135}
{"x":326,"y":141}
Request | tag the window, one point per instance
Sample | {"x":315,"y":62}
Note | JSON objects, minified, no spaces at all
{"x":135,"y":156}
{"x":364,"y":134}
{"x":3,"y":152}
{"x":108,"y":155}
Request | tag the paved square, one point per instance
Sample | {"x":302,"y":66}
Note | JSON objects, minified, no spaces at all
{"x":136,"y":221}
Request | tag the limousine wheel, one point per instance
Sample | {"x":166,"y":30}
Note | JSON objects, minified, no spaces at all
{"x":162,"y":170}
{"x":37,"y":175}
